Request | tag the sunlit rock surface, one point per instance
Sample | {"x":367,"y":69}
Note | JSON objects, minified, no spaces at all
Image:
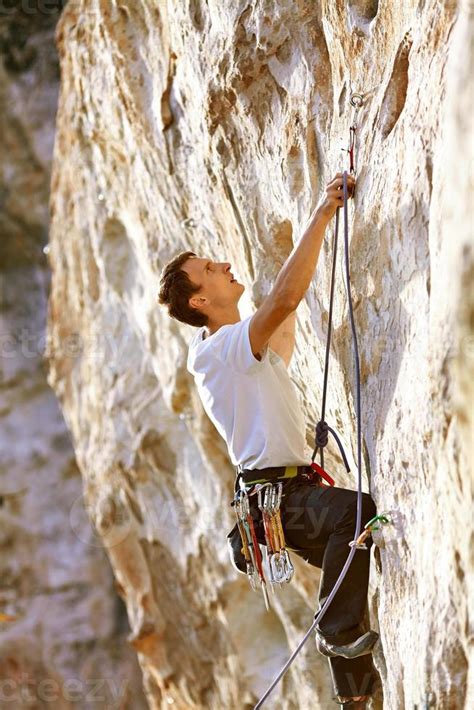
{"x":215,"y":127}
{"x":63,"y":629}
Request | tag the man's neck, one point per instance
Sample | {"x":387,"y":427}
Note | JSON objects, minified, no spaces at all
{"x":208,"y":332}
{"x":213,"y":327}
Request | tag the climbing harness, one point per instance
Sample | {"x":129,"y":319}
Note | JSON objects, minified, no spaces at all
{"x":322,"y":427}
{"x":269,"y":496}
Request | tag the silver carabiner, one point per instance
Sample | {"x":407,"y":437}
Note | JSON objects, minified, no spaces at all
{"x":263,"y":487}
{"x":276,"y":496}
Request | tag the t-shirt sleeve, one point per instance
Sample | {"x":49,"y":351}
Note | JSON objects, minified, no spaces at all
{"x":233,"y":348}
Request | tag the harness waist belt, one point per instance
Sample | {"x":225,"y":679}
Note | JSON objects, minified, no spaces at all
{"x":273,"y":473}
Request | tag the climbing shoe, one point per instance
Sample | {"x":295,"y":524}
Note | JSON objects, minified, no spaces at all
{"x":360,"y":647}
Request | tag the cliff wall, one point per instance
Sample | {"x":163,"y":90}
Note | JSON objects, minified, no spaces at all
{"x":63,"y":629}
{"x":214,"y":127}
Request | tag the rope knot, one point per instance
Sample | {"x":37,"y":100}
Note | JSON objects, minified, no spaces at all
{"x":322,"y":434}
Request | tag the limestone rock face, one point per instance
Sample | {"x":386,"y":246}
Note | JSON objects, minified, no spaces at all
{"x":63,"y":629}
{"x":215,"y":127}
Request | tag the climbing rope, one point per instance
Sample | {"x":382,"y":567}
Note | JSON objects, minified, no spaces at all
{"x":322,"y":428}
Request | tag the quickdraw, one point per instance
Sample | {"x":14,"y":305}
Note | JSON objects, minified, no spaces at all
{"x":281,"y":568}
{"x":279,"y":563}
{"x":382,"y":518}
{"x":356,"y":101}
{"x":250,"y":546}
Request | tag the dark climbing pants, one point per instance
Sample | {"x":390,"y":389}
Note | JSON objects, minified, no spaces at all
{"x":319,"y":523}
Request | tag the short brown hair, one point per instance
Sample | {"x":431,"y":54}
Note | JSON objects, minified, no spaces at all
{"x":176,"y":288}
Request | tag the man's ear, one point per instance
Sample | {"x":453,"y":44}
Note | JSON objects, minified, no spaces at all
{"x":197,"y":302}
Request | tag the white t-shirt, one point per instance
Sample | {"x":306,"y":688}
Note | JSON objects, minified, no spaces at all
{"x":253,"y":403}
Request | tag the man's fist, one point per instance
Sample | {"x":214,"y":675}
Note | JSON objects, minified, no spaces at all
{"x":334,"y":194}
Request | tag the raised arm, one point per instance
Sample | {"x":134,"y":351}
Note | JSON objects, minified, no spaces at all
{"x":298,"y":270}
{"x":283,"y":339}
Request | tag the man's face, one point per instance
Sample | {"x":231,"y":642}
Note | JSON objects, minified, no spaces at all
{"x":219,"y":287}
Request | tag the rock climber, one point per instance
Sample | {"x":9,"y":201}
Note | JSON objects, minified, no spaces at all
{"x":240,"y":370}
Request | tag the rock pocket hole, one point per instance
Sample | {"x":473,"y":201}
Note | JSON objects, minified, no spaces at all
{"x":365,"y":9}
{"x":119,"y":259}
{"x":396,"y":92}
